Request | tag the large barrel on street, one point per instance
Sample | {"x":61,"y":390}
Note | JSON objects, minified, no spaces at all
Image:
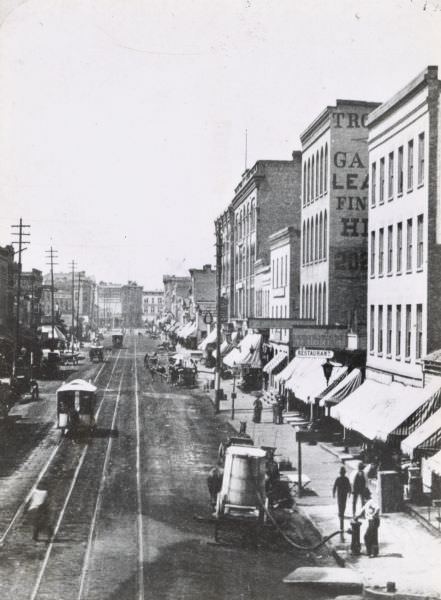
{"x":244,"y":475}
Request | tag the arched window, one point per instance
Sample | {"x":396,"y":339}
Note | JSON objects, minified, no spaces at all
{"x":307,"y":242}
{"x":320,"y":252}
{"x":317,"y":173}
{"x":325,"y":236}
{"x":311,"y":241}
{"x":319,"y":305}
{"x":308,"y":191}
{"x":307,"y":302}
{"x":315,"y":303}
{"x":304,"y":243}
{"x":302,"y":301}
{"x":325,"y":310}
{"x":325,"y":171}
{"x":304,"y":184}
{"x":311,"y":301}
{"x":312,"y":178}
{"x":321,"y":171}
{"x":316,"y":238}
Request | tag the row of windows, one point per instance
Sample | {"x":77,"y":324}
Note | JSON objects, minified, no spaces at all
{"x":395,"y":169}
{"x":279,"y":312}
{"x":395,"y":264}
{"x":391,"y":324}
{"x":245,"y":259}
{"x":315,"y":238}
{"x":262,"y":303}
{"x":245,"y":221}
{"x":315,"y":176}
{"x":245,"y":302}
{"x":279,"y":271}
{"x":314,"y":303}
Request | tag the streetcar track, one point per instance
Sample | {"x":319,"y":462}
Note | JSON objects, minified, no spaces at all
{"x":138,"y":490}
{"x":50,"y":460}
{"x":71,"y":487}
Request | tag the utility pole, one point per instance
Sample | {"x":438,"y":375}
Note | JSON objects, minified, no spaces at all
{"x":21,"y":233}
{"x":51,"y":255}
{"x":73,"y":304}
{"x":78,"y":305}
{"x":217,"y":390}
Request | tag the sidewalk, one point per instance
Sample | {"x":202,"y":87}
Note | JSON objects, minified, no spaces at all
{"x":409,"y":554}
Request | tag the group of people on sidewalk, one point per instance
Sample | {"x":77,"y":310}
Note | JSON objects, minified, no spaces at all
{"x":369,"y":510}
{"x":278,"y":407}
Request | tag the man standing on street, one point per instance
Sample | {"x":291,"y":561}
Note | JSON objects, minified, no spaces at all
{"x":359,"y":488}
{"x":342,"y":487}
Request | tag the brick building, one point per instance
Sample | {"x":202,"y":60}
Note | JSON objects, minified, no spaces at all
{"x":177,"y":292}
{"x":131,"y":304}
{"x":109,"y":305}
{"x":203,"y":299}
{"x":335,"y":215}
{"x":266,"y":200}
{"x":6,"y":289}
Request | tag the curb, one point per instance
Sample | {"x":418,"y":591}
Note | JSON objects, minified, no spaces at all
{"x":382,"y":594}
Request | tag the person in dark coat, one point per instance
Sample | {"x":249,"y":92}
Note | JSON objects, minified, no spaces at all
{"x":280,"y":409}
{"x":342,"y":487}
{"x":214,"y":483}
{"x":257,"y":417}
{"x":38,"y":507}
{"x":359,"y":488}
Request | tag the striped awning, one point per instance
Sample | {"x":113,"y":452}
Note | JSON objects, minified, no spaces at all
{"x":209,"y":339}
{"x":427,"y":438}
{"x":426,"y":410}
{"x":338,"y":391}
{"x":308,"y":381}
{"x":276,"y":360}
{"x":434,"y":463}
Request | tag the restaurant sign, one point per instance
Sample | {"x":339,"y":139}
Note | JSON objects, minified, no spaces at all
{"x":310,"y":353}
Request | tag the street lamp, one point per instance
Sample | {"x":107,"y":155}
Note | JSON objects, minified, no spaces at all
{"x":327,"y":370}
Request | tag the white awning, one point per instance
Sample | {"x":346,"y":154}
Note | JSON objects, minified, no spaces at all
{"x":190,"y":331}
{"x":232,"y":357}
{"x":376,"y":409}
{"x":434,"y":463}
{"x":308,"y":380}
{"x":426,"y":437}
{"x":46,"y":331}
{"x":345,"y":387}
{"x":210,"y":339}
{"x":250,"y":350}
{"x":275,"y":362}
{"x":224,"y":349}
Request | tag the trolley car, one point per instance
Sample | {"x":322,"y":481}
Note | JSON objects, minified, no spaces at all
{"x":117,"y":340}
{"x":76,"y":406}
{"x":96,"y":353}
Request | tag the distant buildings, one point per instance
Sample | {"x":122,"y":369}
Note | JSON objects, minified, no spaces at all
{"x":177,"y":291}
{"x":132,"y":304}
{"x":152,"y":304}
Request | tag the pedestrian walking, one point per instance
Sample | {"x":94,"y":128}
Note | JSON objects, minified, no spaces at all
{"x":359,"y":488}
{"x":39,"y":509}
{"x":275,"y":408}
{"x":257,"y":405}
{"x":342,"y":487}
{"x":214,"y":483}
{"x":280,"y":409}
{"x":371,"y":513}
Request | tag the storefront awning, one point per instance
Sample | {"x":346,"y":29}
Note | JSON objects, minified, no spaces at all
{"x":190,"y":330}
{"x":377,"y":410}
{"x":46,"y":331}
{"x":287,"y":371}
{"x":232,"y":357}
{"x":224,"y":349}
{"x":250,"y":350}
{"x":276,"y":360}
{"x":426,"y":438}
{"x":307,"y":380}
{"x":342,"y":389}
{"x":434,"y":463}
{"x":210,"y":339}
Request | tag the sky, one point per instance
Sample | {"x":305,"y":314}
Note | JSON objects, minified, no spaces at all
{"x":122,"y":122}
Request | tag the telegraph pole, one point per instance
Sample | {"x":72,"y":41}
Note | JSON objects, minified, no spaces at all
{"x":218,"y":315}
{"x":73,"y":304}
{"x":23,"y":232}
{"x":78,"y":304}
{"x":51,"y":255}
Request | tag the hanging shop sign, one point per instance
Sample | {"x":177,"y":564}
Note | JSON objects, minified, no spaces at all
{"x":311,"y":353}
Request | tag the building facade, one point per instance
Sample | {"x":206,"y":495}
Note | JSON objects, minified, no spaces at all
{"x":285,"y":282}
{"x":153,"y":304}
{"x":335,"y":216}
{"x":404,"y":284}
{"x":177,"y":291}
{"x":132,"y":304}
{"x":6,"y":289}
{"x":203,"y":299}
{"x":109,"y":305}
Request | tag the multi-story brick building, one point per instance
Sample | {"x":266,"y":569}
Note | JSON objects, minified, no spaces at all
{"x":203,"y":300}
{"x":6,"y":289}
{"x":153,"y":304}
{"x":265,"y":200}
{"x":83,"y":298}
{"x":405,"y":229}
{"x":109,"y":304}
{"x":335,"y":215}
